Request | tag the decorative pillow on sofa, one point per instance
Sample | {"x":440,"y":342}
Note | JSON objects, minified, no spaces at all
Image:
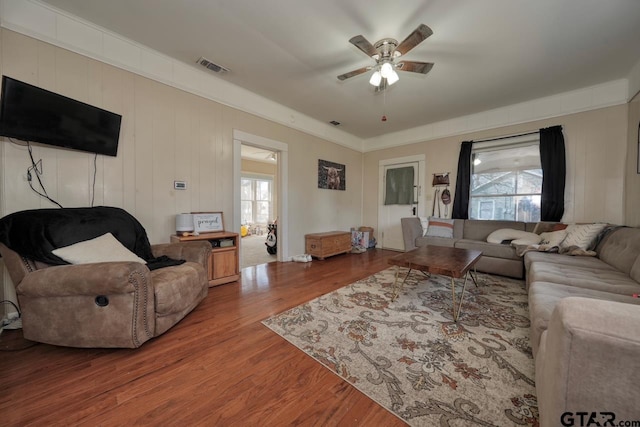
{"x":582,"y":235}
{"x":440,"y":227}
{"x":510,"y":234}
{"x":548,"y":226}
{"x":105,"y":248}
{"x":424,"y":222}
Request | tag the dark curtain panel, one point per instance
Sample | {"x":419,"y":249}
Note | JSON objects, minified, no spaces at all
{"x":399,"y":186}
{"x":552,"y":159}
{"x":463,"y":182}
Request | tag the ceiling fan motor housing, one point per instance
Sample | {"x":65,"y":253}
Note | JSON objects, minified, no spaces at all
{"x":385,"y":48}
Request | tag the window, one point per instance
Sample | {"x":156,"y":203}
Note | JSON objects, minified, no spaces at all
{"x":506,"y":182}
{"x":256,"y":200}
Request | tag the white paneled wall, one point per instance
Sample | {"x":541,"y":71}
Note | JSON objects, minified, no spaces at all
{"x":167,"y":134}
{"x":596,"y":152}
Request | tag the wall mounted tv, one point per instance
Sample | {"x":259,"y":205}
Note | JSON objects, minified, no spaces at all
{"x":33,"y":114}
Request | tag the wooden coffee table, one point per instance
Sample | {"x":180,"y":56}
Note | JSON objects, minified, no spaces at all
{"x":452,"y":262}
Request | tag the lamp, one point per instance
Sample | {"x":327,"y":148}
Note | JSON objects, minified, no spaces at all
{"x":184,"y":223}
{"x":393,"y":77}
{"x":385,"y":71}
{"x":376,"y":78}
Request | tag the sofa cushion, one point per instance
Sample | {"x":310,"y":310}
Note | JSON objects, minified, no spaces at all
{"x":621,"y":249}
{"x":588,"y":359}
{"x":489,"y":249}
{"x":555,"y":258}
{"x":176,"y":288}
{"x":544,"y":296}
{"x":105,"y":248}
{"x":596,"y":277}
{"x":440,"y":227}
{"x":437,"y":241}
{"x":477,"y":229}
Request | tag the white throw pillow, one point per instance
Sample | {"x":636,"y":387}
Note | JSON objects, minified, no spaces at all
{"x":105,"y":248}
{"x":582,"y":235}
{"x":553,"y":238}
{"x":424,"y":222}
{"x":503,"y":234}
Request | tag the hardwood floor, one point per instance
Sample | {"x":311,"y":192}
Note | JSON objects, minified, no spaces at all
{"x":218,"y":366}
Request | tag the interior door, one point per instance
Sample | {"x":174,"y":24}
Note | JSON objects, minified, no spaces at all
{"x":389,"y":215}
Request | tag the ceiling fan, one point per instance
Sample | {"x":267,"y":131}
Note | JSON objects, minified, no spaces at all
{"x":386,"y":53}
{"x":261,"y":155}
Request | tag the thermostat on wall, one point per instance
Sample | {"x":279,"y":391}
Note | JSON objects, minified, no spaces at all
{"x":180,"y":185}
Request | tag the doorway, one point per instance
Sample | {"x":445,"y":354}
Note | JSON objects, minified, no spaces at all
{"x":258,"y":204}
{"x":279,"y":201}
{"x":390,"y":213}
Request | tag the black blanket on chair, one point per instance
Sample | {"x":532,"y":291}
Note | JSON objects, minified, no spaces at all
{"x":35,"y":233}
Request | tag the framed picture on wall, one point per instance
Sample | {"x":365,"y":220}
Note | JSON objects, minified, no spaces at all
{"x":207,"y":222}
{"x":331,"y":176}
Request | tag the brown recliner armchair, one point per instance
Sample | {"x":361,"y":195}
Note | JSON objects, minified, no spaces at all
{"x":104,"y":304}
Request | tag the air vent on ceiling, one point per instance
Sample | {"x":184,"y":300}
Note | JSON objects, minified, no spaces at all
{"x":211,"y":66}
{"x":335,"y":123}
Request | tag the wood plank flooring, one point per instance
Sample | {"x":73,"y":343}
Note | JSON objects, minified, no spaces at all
{"x":219,"y":366}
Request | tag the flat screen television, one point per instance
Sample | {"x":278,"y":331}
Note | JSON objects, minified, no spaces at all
{"x":33,"y":114}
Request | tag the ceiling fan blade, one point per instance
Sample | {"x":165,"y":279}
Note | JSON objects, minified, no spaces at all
{"x":415,"y":38}
{"x":353,"y":73}
{"x":415,"y":66}
{"x":363,"y":44}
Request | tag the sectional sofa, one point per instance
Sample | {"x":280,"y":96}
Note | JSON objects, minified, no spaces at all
{"x":585,"y":329}
{"x":585,"y":318}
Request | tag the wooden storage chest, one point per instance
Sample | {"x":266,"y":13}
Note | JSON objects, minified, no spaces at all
{"x":322,"y":245}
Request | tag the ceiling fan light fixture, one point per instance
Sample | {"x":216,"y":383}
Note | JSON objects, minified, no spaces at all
{"x":393,"y":77}
{"x":376,"y":78}
{"x":386,"y":70}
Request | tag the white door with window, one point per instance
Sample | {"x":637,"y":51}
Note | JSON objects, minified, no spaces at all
{"x":398,"y":197}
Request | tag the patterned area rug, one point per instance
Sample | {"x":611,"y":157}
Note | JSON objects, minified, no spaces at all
{"x":411,"y":358}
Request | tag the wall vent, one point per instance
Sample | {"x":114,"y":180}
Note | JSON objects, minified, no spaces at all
{"x":211,"y":66}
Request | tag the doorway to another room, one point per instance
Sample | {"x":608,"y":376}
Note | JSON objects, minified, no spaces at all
{"x":258,"y":205}
{"x":279,"y":196}
{"x":407,"y":198}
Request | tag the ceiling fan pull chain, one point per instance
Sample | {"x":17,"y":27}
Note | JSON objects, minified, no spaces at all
{"x":384,"y":106}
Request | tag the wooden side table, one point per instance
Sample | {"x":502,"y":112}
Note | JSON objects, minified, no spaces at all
{"x":224,"y":259}
{"x":322,"y":245}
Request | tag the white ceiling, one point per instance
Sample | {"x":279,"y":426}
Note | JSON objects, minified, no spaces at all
{"x":257,"y":154}
{"x":487,"y":54}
